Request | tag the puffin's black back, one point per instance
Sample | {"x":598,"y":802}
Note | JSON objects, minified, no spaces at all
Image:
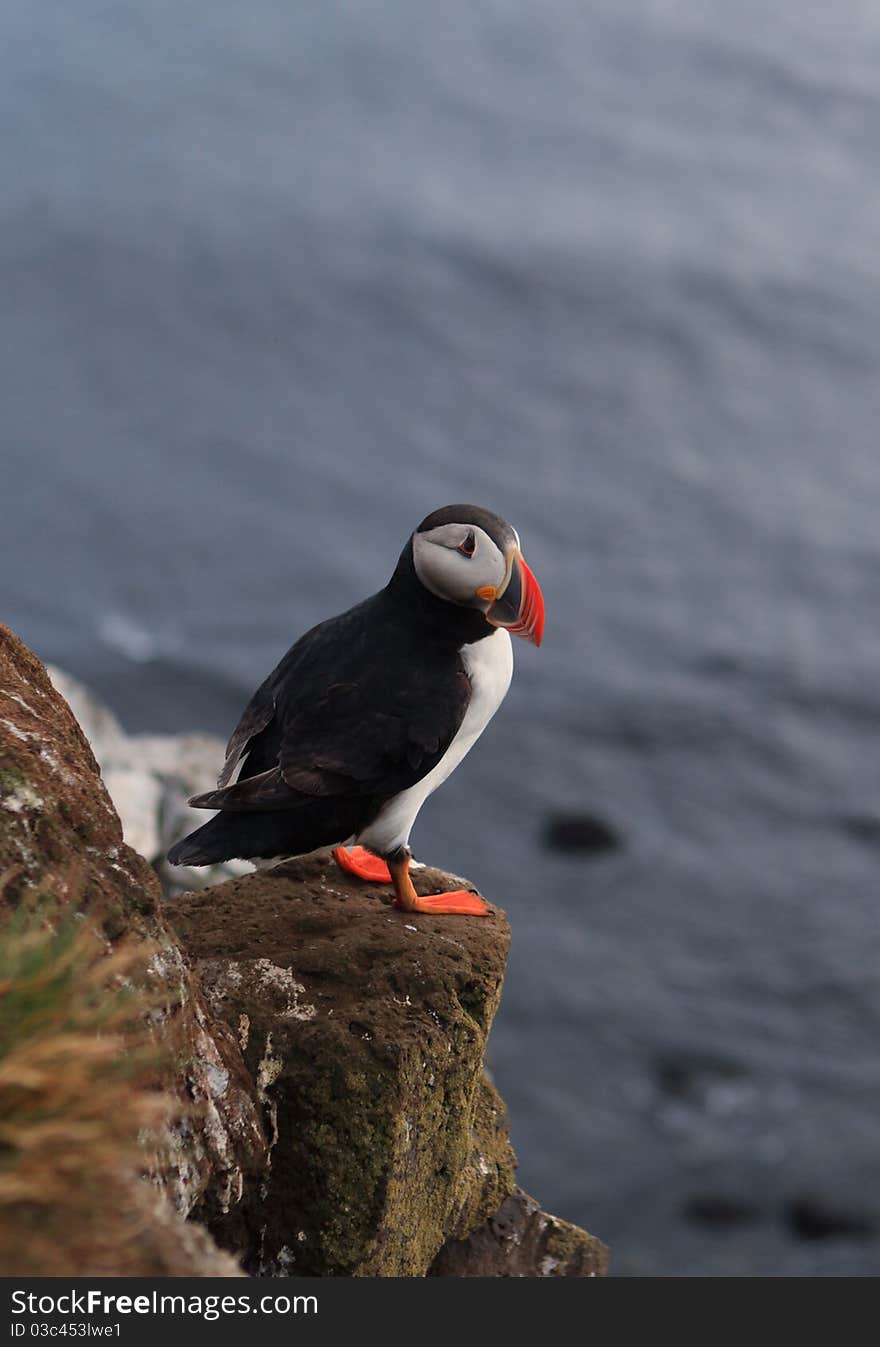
{"x":360,"y":708}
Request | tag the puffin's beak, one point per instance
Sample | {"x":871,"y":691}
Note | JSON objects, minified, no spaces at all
{"x":520,"y":605}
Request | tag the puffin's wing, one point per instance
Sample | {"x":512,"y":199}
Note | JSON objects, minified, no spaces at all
{"x":373,"y":735}
{"x":347,"y":743}
{"x":267,"y":790}
{"x":343,"y":716}
{"x":256,"y":716}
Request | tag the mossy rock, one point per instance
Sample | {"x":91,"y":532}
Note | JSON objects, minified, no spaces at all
{"x":521,"y":1240}
{"x":365,"y":1030}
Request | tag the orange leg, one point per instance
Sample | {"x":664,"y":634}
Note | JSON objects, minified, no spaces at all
{"x":459,"y":902}
{"x":358,"y":861}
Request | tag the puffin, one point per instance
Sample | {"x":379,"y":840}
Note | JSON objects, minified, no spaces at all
{"x":369,"y":712}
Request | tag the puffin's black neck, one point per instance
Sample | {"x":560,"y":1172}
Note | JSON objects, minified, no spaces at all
{"x":444,"y":623}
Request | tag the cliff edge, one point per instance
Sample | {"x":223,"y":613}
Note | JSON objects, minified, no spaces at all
{"x":323,"y":1052}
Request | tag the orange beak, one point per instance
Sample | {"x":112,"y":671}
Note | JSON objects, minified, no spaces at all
{"x":520,"y":606}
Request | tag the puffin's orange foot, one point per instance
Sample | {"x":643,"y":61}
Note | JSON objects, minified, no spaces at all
{"x":457,"y":903}
{"x":358,"y":861}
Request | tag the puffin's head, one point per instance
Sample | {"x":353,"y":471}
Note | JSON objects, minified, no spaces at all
{"x":471,"y":557}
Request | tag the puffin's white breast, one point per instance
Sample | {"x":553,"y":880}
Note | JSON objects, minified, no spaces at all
{"x":489,"y":665}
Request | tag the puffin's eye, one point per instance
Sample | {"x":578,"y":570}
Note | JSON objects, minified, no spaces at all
{"x":468,"y":547}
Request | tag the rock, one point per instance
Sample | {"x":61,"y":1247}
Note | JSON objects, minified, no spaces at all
{"x":813,"y":1216}
{"x":149,"y":778}
{"x":137,"y":798}
{"x":521,"y":1240}
{"x":717,"y":1211}
{"x":103,"y":731}
{"x":365,"y":1030}
{"x":579,"y":832}
{"x":701,"y":1080}
{"x":59,"y":834}
{"x":863,"y":827}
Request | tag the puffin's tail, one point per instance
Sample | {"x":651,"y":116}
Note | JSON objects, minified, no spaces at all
{"x":229,"y":835}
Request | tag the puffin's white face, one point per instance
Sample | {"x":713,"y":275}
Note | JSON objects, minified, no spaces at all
{"x":479,"y":567}
{"x":457,"y":561}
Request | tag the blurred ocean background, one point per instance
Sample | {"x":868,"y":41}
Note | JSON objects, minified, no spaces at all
{"x":278,"y":280}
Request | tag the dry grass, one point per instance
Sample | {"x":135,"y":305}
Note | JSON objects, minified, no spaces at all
{"x":76,"y":1096}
